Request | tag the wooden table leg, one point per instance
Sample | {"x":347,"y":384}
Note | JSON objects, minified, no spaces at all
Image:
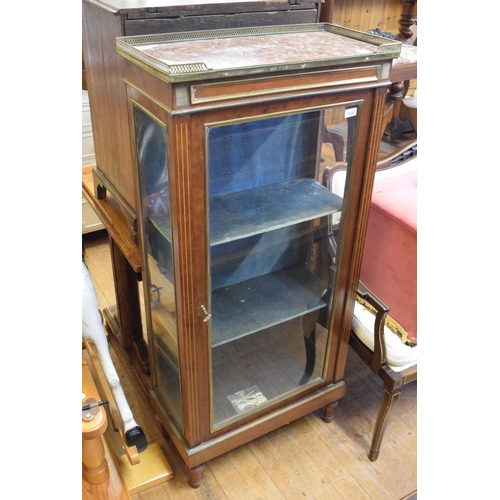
{"x":128,"y":324}
{"x":194,"y":475}
{"x":329,"y":411}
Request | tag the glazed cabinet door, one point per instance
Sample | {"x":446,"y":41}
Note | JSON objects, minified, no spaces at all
{"x":274,"y":229}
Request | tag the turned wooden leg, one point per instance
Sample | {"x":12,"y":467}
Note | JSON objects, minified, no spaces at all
{"x":194,"y":475}
{"x":329,"y":411}
{"x":395,"y":94}
{"x":95,"y":465}
{"x":389,"y":400}
{"x":406,"y":21}
{"x":399,"y":124}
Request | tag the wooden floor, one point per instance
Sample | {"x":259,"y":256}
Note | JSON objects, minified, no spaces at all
{"x":307,"y":459}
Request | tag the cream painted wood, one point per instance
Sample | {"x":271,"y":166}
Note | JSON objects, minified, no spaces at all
{"x":90,"y":220}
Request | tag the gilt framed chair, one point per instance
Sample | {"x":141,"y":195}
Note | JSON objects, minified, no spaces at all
{"x":384,"y":329}
{"x":392,"y":361}
{"x":385,"y":336}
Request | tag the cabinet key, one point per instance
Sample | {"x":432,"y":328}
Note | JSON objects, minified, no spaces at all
{"x":208,"y":315}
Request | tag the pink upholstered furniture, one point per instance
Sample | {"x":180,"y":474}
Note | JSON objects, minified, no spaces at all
{"x":389,"y":265}
{"x":384,"y":331}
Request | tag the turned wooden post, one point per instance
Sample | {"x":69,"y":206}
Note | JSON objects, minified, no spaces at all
{"x":95,"y":467}
{"x":406,"y":21}
{"x":194,"y":475}
{"x":396,"y":95}
{"x":329,"y":411}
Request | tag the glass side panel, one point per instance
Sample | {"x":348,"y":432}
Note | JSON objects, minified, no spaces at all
{"x":151,"y":144}
{"x":272,"y":253}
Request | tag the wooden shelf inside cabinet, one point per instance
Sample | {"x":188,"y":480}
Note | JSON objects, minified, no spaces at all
{"x":265,"y":208}
{"x":259,"y":303}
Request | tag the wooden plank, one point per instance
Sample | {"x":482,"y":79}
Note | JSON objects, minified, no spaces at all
{"x":256,"y":478}
{"x":153,"y":469}
{"x":195,"y":23}
{"x":289,"y":482}
{"x":316,"y":482}
{"x":363,"y":15}
{"x":230,"y":480}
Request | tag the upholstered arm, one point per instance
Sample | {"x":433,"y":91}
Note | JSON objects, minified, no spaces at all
{"x":379,"y":350}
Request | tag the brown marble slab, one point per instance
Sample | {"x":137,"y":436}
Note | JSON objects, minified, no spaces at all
{"x":258,"y":50}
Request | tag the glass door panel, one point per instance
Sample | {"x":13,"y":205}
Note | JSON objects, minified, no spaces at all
{"x":158,"y":275}
{"x":271,"y":253}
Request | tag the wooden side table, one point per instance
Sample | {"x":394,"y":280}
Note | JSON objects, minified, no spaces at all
{"x":124,"y":321}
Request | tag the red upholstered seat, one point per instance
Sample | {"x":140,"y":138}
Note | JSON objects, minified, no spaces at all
{"x":389,"y":265}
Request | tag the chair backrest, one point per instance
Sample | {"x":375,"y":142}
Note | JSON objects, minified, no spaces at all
{"x":389,"y":266}
{"x":390,"y":255}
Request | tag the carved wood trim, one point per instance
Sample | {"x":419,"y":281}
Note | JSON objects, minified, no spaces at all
{"x":361,"y":224}
{"x":189,"y":365}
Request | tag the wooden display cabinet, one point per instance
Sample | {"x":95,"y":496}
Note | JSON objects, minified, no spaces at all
{"x":249,"y":295}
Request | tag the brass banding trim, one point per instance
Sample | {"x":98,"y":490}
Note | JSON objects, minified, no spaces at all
{"x":213,"y":92}
{"x":150,"y":97}
{"x":129,"y":48}
{"x":277,"y":97}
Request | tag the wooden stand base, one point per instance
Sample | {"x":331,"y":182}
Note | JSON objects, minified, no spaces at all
{"x":153,"y":469}
{"x":105,"y":475}
{"x":125,"y":479}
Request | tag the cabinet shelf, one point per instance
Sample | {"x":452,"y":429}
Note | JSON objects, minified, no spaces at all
{"x":258,"y":303}
{"x":254,"y":211}
{"x":265,"y":208}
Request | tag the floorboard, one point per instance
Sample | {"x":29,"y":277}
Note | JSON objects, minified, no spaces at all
{"x":306,"y":459}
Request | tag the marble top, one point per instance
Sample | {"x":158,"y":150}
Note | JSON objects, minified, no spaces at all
{"x":220,"y":53}
{"x":258,"y":50}
{"x":408,"y":55}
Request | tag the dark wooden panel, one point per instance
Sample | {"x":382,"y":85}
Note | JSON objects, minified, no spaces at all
{"x":103,"y":69}
{"x":194,"y":23}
